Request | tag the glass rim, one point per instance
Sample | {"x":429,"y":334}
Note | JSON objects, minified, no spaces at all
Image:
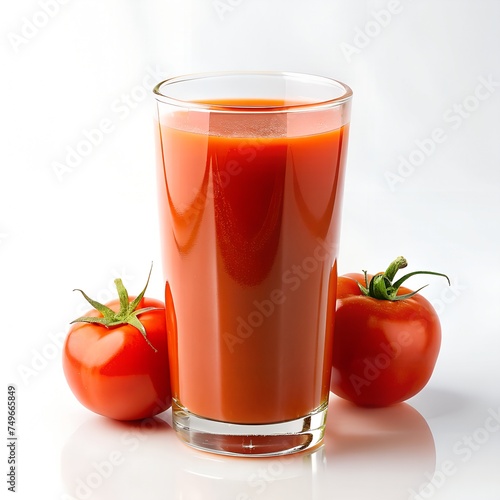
{"x":232,"y":108}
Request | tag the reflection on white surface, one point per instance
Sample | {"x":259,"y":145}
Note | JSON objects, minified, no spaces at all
{"x":380,"y":453}
{"x":105,"y":459}
{"x":207,"y":477}
{"x":376,"y":454}
{"x":110,"y":460}
{"x":436,"y":402}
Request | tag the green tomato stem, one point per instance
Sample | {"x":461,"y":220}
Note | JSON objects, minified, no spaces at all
{"x":127,"y":315}
{"x":381,"y":286}
{"x":394,"y":267}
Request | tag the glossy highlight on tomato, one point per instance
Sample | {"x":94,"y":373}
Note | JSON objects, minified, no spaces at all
{"x":121,"y":370}
{"x":384,"y":349}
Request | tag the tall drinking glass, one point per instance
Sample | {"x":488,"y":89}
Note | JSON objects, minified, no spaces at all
{"x":250,"y":176}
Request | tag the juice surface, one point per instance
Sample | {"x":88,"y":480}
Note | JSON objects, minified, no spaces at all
{"x":250,"y":224}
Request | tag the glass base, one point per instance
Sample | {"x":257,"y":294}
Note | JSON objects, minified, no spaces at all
{"x":256,"y":440}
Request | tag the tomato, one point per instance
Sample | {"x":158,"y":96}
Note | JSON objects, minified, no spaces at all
{"x":386,"y":339}
{"x":115,"y":358}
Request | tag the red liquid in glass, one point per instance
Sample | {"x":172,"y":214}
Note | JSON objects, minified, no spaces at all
{"x":250,"y":224}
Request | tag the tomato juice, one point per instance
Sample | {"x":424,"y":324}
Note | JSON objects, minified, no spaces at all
{"x":250,"y":212}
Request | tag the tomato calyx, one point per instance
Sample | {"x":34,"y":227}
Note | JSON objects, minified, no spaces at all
{"x":381,"y":286}
{"x":128,"y":313}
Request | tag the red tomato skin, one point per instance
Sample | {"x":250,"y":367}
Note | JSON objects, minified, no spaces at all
{"x":113,"y":371}
{"x":384,"y":352}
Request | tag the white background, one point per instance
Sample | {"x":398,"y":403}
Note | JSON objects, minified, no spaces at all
{"x":426,"y":81}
